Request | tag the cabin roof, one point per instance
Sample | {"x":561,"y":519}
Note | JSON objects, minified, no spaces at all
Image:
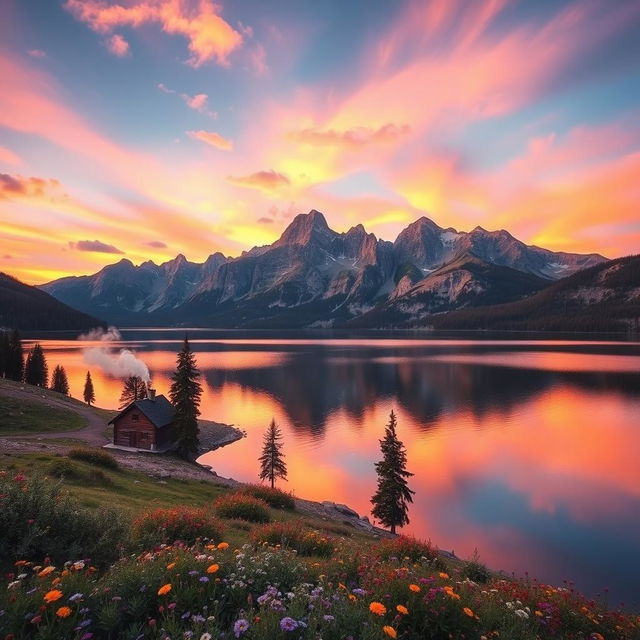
{"x":159,"y":411}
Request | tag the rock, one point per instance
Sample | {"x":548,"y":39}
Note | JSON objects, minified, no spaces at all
{"x":365,"y":519}
{"x":347,"y":511}
{"x":328,"y":504}
{"x":164,"y":474}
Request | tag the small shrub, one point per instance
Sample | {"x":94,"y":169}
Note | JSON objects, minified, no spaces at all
{"x":406,"y":547}
{"x":242,"y":507}
{"x":290,"y":535}
{"x":63,"y":468}
{"x":475,"y":570}
{"x":276,"y":498}
{"x":184,"y":524}
{"x":97,"y":476}
{"x":94,"y":456}
{"x":38,"y":519}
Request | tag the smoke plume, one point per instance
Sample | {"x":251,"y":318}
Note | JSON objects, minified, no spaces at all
{"x":121,"y":363}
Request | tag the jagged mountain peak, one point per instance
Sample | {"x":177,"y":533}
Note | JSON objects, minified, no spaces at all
{"x":306,"y":227}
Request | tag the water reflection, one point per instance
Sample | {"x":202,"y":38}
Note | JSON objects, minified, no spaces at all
{"x":526,"y":450}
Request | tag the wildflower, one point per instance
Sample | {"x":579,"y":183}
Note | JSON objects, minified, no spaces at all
{"x":415,"y":588}
{"x":46,"y":571}
{"x":171,"y":565}
{"x":352,"y":597}
{"x":240,"y":627}
{"x":288,"y":624}
{"x":328,"y":618}
{"x":75,"y":597}
{"x":468,"y":612}
{"x":13,"y":584}
{"x":402,"y":609}
{"x":53,"y":595}
{"x":596,"y":636}
{"x":205,"y":636}
{"x":35,"y":620}
{"x":223,"y":546}
{"x":378,"y":608}
{"x":63,"y":612}
{"x":521,"y":613}
{"x":213,"y":568}
{"x":359,"y":592}
{"x":164,"y":589}
{"x":444,"y":576}
{"x":204,"y":579}
{"x":390,"y":631}
{"x":78,"y":565}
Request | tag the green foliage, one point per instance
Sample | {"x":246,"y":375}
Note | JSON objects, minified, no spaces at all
{"x":11,"y":356}
{"x":242,"y":507}
{"x":290,"y":535}
{"x":63,"y":468}
{"x":59,"y":381}
{"x":89,"y":394}
{"x":134,"y":388}
{"x":406,"y":547}
{"x":39,"y":520}
{"x":475,"y":570}
{"x":94,"y":456}
{"x":185,"y":394}
{"x":392,"y":497}
{"x":22,"y":415}
{"x":272,"y":464}
{"x":185,"y":524}
{"x":274,"y":497}
{"x":36,"y":371}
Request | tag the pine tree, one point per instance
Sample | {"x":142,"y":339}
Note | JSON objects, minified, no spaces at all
{"x":89,"y":394}
{"x":4,"y":352}
{"x":36,"y":371}
{"x":392,"y":498}
{"x":185,"y":394}
{"x":14,"y":363}
{"x":272,"y":464}
{"x":134,"y":389}
{"x":59,"y":381}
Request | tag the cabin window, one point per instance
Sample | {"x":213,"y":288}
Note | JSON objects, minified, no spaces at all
{"x":135,"y":417}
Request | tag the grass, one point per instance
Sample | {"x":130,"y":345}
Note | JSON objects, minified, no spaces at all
{"x":22,"y":417}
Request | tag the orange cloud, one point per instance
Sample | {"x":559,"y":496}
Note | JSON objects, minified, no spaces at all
{"x":20,"y":187}
{"x":212,"y":138}
{"x":117,"y":45}
{"x":354,"y":138}
{"x":209,"y":36}
{"x":263,"y":180}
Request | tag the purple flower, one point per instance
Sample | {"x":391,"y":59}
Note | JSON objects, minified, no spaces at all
{"x":328,"y":618}
{"x":359,"y":592}
{"x":87,"y":636}
{"x":288,"y":624}
{"x":204,"y":579}
{"x":193,"y":572}
{"x":240,"y":627}
{"x":75,"y":597}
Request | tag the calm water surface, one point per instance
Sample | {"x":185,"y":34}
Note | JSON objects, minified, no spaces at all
{"x":527,"y":450}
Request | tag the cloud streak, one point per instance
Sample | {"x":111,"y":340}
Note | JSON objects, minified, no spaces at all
{"x":212,"y":138}
{"x":95,"y":246}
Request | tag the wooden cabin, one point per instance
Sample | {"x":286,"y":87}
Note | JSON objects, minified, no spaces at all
{"x":146,"y":425}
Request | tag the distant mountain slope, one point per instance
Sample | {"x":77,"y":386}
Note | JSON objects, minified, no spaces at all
{"x":313,"y":275}
{"x":27,"y":308}
{"x":603,"y":298}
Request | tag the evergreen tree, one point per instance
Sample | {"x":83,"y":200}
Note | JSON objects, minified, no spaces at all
{"x":89,"y":394}
{"x":134,"y":389}
{"x":272,"y":464}
{"x":4,"y":352}
{"x":14,"y":361}
{"x":36,"y":371}
{"x":59,"y":381}
{"x":185,"y":395}
{"x":390,"y":501}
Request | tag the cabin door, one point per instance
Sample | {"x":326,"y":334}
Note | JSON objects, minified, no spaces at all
{"x":134,"y":439}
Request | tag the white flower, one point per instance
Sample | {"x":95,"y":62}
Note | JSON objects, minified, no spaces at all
{"x":521,"y":613}
{"x":13,"y":584}
{"x":205,"y":636}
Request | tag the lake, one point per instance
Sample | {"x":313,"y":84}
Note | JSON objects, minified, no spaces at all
{"x":528,"y":451}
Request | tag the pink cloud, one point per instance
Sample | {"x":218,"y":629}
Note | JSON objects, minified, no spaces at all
{"x":354,"y":138}
{"x":258,"y":59}
{"x":209,"y":36}
{"x":212,"y":138}
{"x":199,"y":101}
{"x":117,"y":45}
{"x":269,"y":180}
{"x":15,"y":186}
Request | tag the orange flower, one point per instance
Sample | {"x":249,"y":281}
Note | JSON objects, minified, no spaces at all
{"x":390,"y":631}
{"x":53,"y":595}
{"x":171,"y":565}
{"x":46,"y":571}
{"x":596,"y":636}
{"x":164,"y":589}
{"x":213,"y":568}
{"x":415,"y":588}
{"x":468,"y":612}
{"x":402,"y":609}
{"x":378,"y":608}
{"x":63,"y":612}
{"x":444,"y":576}
{"x":223,"y":545}
{"x":56,"y":581}
{"x":451,"y":593}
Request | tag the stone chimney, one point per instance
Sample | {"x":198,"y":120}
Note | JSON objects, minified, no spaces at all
{"x":151,"y":393}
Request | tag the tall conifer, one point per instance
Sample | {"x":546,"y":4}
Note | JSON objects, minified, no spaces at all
{"x":59,"y":381}
{"x":36,"y":371}
{"x":272,"y":464}
{"x":89,"y":394}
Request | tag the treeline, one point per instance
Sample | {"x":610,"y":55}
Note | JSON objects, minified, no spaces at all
{"x":31,"y":368}
{"x":29,"y":308}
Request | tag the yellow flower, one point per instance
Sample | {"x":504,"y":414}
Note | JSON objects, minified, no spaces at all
{"x":378,"y":608}
{"x":171,"y":565}
{"x":164,"y":589}
{"x":213,"y":568}
{"x":390,"y":631}
{"x":341,"y":586}
{"x":468,"y":612}
{"x":402,"y":609}
{"x":63,"y":612}
{"x":53,"y":595}
{"x":46,"y":571}
{"x":415,"y":588}
{"x":539,"y":613}
{"x":444,"y":576}
{"x":352,"y":597}
{"x":223,"y":545}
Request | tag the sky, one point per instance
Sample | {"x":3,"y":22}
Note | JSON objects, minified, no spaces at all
{"x":141,"y":129}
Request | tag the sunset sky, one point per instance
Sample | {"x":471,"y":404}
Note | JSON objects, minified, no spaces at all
{"x":147,"y":128}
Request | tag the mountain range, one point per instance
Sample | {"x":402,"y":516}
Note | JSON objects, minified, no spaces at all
{"x":314,"y":276}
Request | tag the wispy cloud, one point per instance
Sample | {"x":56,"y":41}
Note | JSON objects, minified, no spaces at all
{"x":269,"y":180}
{"x":199,"y":101}
{"x":15,"y":186}
{"x":354,"y":138}
{"x":117,"y":45}
{"x":37,"y":53}
{"x":212,"y":138}
{"x":95,"y":246}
